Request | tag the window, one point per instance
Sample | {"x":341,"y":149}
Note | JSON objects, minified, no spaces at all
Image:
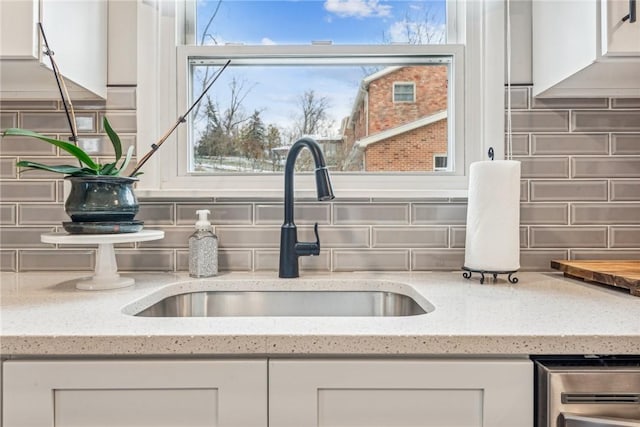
{"x":347,"y":61}
{"x":263,"y":103}
{"x":404,"y":92}
{"x":440,"y":162}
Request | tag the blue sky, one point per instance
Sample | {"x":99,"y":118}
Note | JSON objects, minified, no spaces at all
{"x":303,"y":21}
{"x":276,"y":91}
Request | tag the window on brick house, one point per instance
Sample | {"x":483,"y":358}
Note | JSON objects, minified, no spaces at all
{"x":404,"y":92}
{"x":440,"y":162}
{"x":331,"y":56}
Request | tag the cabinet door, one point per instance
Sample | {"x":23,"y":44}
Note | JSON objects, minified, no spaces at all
{"x":149,"y":393}
{"x":620,"y":38}
{"x":18,"y":33}
{"x":400,"y":393}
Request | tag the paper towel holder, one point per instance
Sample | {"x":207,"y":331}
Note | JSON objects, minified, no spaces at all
{"x":468,"y":272}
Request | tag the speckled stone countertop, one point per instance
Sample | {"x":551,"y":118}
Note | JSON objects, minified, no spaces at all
{"x":43,"y":314}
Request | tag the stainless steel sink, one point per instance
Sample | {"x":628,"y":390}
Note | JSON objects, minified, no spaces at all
{"x":285,"y":303}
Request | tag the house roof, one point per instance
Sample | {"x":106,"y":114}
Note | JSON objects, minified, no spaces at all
{"x":388,"y":133}
{"x":360,"y":144}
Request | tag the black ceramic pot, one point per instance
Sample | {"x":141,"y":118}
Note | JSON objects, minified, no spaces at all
{"x":101,"y":199}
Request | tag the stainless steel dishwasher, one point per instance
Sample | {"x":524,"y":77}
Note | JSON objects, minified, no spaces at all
{"x":587,"y":391}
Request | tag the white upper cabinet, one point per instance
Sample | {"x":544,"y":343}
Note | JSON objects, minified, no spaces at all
{"x":583,"y":48}
{"x":76,"y":31}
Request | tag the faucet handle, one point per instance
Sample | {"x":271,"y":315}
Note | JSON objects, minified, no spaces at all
{"x":309,"y":248}
{"x":315,"y":231}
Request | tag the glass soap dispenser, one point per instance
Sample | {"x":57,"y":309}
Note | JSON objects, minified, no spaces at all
{"x":203,"y":248}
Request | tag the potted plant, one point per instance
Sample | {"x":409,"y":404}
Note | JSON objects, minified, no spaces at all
{"x":101,"y":199}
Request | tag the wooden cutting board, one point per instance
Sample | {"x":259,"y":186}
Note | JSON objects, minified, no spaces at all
{"x":621,"y":274}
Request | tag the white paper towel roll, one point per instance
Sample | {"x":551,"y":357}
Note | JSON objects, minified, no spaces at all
{"x":493,"y":216}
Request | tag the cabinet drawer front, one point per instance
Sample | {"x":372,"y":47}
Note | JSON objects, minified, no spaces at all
{"x":141,"y":393}
{"x":430,"y":393}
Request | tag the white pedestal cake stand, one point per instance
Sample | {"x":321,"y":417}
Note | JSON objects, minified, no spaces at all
{"x":106,"y":272}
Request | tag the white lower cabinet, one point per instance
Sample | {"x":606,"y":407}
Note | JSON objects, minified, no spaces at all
{"x":275,"y":393}
{"x":401,"y":393}
{"x":145,"y":393}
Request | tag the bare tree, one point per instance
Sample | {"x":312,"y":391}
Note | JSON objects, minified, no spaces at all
{"x":313,"y":113}
{"x":419,"y":26}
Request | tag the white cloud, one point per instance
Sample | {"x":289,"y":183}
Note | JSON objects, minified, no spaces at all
{"x":357,"y":8}
{"x":267,"y":41}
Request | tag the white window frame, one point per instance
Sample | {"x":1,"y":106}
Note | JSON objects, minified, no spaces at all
{"x":482,"y":100}
{"x":413,"y":93}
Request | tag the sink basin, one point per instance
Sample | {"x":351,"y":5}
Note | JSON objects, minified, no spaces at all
{"x":285,"y":303}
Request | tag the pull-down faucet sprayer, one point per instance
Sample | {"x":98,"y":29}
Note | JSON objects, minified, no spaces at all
{"x":290,"y":248}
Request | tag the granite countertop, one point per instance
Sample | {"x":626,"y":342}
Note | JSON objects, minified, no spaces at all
{"x":545,"y":313}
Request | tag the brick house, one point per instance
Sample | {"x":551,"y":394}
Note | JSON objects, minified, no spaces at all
{"x":399,"y":121}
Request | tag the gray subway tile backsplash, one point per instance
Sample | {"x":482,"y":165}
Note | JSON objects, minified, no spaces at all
{"x":268,"y":260}
{"x":617,"y":254}
{"x":228,"y":260}
{"x":544,"y":167}
{"x":121,"y":98}
{"x":374,"y":213}
{"x":8,"y":120}
{"x":570,"y":144}
{"x":57,"y":122}
{"x":605,"y":167}
{"x":605,"y":121}
{"x":519,"y":98}
{"x":148,"y":260}
{"x":605,"y":213}
{"x":26,"y":147}
{"x":410,"y":237}
{"x":8,"y":214}
{"x":221,"y":213}
{"x":625,"y":237}
{"x":120,"y":122}
{"x":544,"y":213}
{"x":42,"y":214}
{"x":8,"y":260}
{"x":625,"y":143}
{"x":20,"y":105}
{"x":336,"y":236}
{"x":438,"y":213}
{"x":567,"y":190}
{"x":540,"y":121}
{"x":601,"y":103}
{"x":625,"y":103}
{"x":24,"y":237}
{"x":156,"y":213}
{"x":437,"y":259}
{"x":57,"y":260}
{"x":248,"y":237}
{"x":304,"y":213}
{"x":540,"y":260}
{"x":8,"y":169}
{"x":370,"y":260}
{"x":580,"y":194}
{"x":625,"y":190}
{"x":568,"y":237}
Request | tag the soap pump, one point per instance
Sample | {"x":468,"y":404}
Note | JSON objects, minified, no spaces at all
{"x":203,"y":248}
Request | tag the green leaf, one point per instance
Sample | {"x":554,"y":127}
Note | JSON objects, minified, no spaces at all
{"x":127,"y":159}
{"x":108,"y":169}
{"x":69,"y":148}
{"x":65,"y":169}
{"x":113,"y":136}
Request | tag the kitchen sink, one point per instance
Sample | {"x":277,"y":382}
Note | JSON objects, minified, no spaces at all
{"x":287,"y":303}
